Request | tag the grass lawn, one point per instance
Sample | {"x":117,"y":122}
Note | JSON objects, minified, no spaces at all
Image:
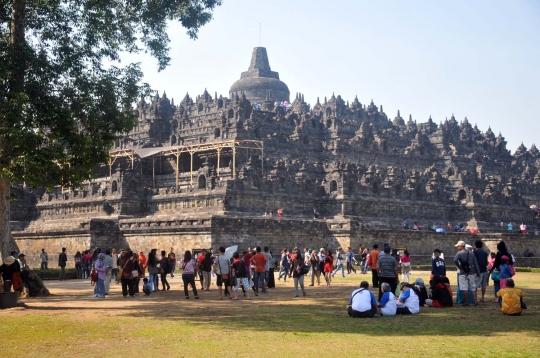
{"x":72,"y":324}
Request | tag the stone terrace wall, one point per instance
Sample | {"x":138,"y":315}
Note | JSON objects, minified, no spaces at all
{"x":212,"y":231}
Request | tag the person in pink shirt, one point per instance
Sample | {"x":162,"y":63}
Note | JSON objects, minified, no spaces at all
{"x":405,"y":267}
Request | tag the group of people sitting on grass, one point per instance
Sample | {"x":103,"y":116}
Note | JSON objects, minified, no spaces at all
{"x":474,"y":269}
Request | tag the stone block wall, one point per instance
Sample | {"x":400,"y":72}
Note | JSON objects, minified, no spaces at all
{"x":213,"y":231}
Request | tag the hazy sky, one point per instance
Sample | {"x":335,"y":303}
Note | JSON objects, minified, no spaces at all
{"x":475,"y":59}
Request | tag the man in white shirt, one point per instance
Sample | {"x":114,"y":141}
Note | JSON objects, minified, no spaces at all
{"x":362,"y":303}
{"x":44,"y":259}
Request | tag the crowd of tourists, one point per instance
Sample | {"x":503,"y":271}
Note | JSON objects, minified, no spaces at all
{"x":252,"y":272}
{"x":474,"y":266}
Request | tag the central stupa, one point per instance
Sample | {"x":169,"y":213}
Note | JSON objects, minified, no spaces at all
{"x":259,"y":81}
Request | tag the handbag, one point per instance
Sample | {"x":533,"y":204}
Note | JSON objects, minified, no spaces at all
{"x":223,"y":276}
{"x":496,"y":275}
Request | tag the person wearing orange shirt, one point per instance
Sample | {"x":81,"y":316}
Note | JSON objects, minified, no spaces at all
{"x":372,"y":262}
{"x":259,"y":260}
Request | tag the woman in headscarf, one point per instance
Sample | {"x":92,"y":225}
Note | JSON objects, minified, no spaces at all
{"x":101,"y":268}
{"x":153,"y":269}
{"x":502,"y":250}
{"x":127,"y":267}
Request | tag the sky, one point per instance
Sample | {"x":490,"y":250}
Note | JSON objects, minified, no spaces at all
{"x":476,"y":59}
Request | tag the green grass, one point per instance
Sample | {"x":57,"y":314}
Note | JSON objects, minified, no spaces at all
{"x":271,"y":326}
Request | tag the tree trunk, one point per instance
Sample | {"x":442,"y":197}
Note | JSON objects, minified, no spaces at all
{"x":6,"y":239}
{"x":16,"y":86}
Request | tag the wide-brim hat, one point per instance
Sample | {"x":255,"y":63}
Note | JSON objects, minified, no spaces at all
{"x":9,"y":260}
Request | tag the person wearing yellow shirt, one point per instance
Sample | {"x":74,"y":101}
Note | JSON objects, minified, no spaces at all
{"x":511,"y":299}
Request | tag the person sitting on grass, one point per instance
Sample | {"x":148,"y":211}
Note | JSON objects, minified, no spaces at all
{"x":511,"y":299}
{"x":147,"y":287}
{"x":408,"y":302}
{"x":420,"y":290}
{"x":362,"y":303}
{"x":441,"y":293}
{"x":387,"y":305}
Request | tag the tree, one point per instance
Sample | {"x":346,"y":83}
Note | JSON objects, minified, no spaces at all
{"x":64,"y":95}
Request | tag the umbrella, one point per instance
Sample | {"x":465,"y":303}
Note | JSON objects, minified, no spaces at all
{"x":441,"y":230}
{"x":229,"y":251}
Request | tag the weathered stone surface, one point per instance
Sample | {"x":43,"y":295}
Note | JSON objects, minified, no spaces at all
{"x":359,"y":168}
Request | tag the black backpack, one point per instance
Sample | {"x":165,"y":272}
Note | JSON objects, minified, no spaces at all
{"x":466,"y":266}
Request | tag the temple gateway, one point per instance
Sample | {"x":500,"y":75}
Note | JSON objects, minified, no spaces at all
{"x":202,"y":172}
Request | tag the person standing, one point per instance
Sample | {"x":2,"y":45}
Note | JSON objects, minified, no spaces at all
{"x":222,"y":271}
{"x":171,"y":258}
{"x":315,"y":268}
{"x":467,"y":266}
{"x":78,"y":264}
{"x":482,"y":258}
{"x":405,"y":266}
{"x":387,"y":270}
{"x":523,"y":228}
{"x":272,"y":268}
{"x":297,"y":272}
{"x":114,"y":270}
{"x":62,"y":261}
{"x":339,"y":263}
{"x":200,"y":260}
{"x":44,"y":259}
{"x":372,"y":262}
{"x":109,"y":261}
{"x":101,"y":269}
{"x":260,"y":262}
{"x":189,"y":269}
{"x":267,"y":266}
{"x":241,"y":275}
{"x":206,"y":270}
{"x":166,"y":269}
{"x":321,"y":256}
{"x":328,"y":267}
{"x":127,"y":265}
{"x":153,"y":269}
{"x":350,"y":260}
{"x":284,"y":263}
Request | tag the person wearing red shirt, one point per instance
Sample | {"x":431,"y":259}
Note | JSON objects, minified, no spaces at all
{"x":200,"y":259}
{"x":259,"y":260}
{"x":328,"y":267}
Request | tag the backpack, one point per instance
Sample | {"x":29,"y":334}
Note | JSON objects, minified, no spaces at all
{"x":466,"y":266}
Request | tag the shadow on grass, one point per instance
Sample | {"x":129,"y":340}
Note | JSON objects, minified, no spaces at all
{"x":324,"y":315}
{"x":322,"y":311}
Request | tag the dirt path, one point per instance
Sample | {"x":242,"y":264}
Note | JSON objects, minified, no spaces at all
{"x":75,"y":296}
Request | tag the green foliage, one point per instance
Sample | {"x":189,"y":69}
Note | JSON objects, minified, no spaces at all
{"x":64,"y":97}
{"x":53,"y":274}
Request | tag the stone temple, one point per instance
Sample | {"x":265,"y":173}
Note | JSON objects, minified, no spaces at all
{"x":201,"y":172}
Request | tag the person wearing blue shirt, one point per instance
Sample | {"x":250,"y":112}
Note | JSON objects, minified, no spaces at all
{"x":350,"y":259}
{"x":362,"y":303}
{"x":438,"y":267}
